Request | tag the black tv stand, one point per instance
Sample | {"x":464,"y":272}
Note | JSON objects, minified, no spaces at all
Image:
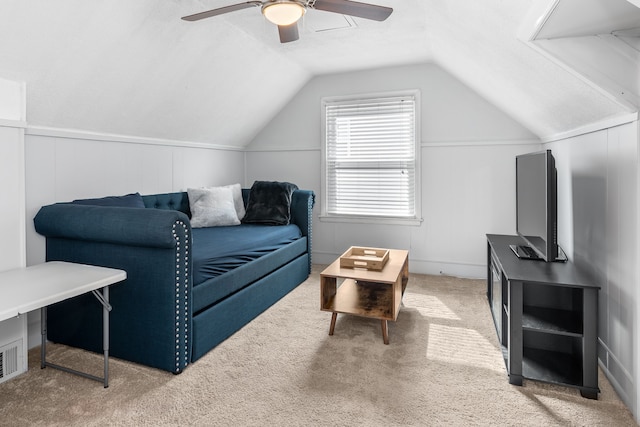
{"x":526,"y":252}
{"x":546,"y":317}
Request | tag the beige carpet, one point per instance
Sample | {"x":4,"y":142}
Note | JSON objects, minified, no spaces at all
{"x":442,"y":367}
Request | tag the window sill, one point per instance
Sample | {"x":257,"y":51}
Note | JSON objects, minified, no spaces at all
{"x":371,"y":220}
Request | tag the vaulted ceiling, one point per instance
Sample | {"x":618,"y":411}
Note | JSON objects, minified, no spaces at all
{"x":135,"y":68}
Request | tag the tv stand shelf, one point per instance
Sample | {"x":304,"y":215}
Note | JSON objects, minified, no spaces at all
{"x":546,"y":317}
{"x":551,"y":321}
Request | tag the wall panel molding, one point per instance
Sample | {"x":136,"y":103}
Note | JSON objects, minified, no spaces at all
{"x":99,"y":136}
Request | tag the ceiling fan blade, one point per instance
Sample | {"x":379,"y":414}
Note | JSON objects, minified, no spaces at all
{"x":221,"y":10}
{"x":354,"y":8}
{"x":288,"y":33}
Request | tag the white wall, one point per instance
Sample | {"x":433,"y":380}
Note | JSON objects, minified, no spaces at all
{"x":12,"y":223}
{"x":12,"y":101}
{"x":62,"y":166}
{"x":12,"y":219}
{"x":468,"y":148}
{"x":77,"y":165}
{"x":598,"y":197}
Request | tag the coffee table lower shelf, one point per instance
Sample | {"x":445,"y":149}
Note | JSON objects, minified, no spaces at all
{"x":367,"y":299}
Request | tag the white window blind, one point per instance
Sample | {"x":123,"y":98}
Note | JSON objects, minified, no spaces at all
{"x":370,"y":157}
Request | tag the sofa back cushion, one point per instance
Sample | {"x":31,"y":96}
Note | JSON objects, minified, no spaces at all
{"x":217,"y":250}
{"x":169,"y":201}
{"x":133,"y":200}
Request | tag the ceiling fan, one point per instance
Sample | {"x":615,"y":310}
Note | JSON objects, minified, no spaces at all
{"x":286,"y":13}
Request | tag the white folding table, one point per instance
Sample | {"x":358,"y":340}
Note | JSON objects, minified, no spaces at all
{"x":36,"y":287}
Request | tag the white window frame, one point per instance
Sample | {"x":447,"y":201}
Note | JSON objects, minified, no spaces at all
{"x":416,"y":219}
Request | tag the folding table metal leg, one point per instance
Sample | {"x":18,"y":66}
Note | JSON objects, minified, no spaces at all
{"x":106,"y":308}
{"x":103,"y":298}
{"x":43,"y":332}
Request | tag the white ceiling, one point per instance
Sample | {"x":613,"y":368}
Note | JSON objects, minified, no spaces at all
{"x":135,"y":68}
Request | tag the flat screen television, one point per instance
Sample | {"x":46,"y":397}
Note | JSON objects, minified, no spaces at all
{"x":536,"y":207}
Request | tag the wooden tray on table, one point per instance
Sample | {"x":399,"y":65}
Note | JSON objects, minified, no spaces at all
{"x":367,"y":258}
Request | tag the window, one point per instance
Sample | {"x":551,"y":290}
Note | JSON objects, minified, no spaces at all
{"x":370,"y":157}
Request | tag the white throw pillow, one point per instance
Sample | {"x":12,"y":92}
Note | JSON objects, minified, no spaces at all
{"x":237,"y":199}
{"x":212,"y":207}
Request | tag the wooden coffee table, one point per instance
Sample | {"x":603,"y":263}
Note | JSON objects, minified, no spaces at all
{"x":366,"y":293}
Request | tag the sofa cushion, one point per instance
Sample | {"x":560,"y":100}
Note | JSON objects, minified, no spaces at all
{"x":168,"y":201}
{"x":269,"y":203}
{"x":216,"y":250}
{"x":220,"y":287}
{"x":133,"y":200}
{"x":212,"y":207}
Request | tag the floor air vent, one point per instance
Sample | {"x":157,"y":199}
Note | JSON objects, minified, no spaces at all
{"x":10,"y":357}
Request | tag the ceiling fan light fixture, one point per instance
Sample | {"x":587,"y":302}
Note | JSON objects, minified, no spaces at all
{"x":283,"y":12}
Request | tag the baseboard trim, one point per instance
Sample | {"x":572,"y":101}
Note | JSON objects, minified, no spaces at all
{"x":620,"y":378}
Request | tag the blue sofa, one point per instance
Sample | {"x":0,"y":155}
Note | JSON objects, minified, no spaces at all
{"x":168,"y":313}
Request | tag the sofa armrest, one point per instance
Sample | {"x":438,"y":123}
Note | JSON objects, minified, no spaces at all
{"x":151,"y":318}
{"x":302,"y":202}
{"x":119,"y":225}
